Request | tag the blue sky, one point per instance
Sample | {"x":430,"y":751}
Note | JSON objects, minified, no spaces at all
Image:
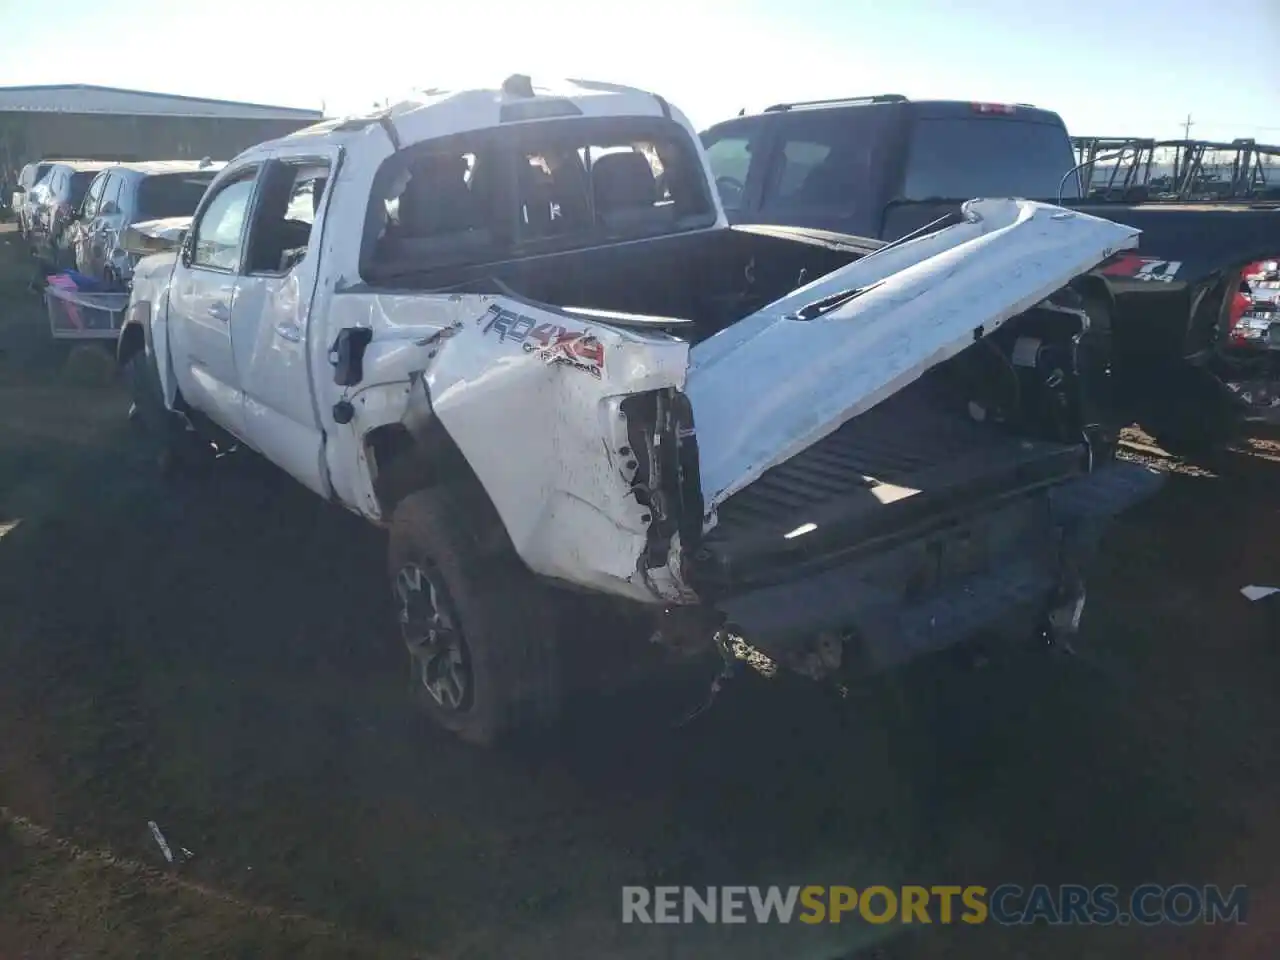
{"x":1108,"y":67}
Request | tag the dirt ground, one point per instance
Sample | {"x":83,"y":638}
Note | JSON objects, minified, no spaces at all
{"x":219,"y":659}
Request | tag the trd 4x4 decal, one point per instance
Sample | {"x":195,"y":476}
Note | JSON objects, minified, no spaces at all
{"x":579,"y":349}
{"x":1133,"y":267}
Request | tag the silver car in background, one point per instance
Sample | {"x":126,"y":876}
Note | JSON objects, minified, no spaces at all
{"x":31,"y":174}
{"x":51,"y":209}
{"x":127,"y":193}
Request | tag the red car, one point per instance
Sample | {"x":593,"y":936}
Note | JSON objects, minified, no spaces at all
{"x":1253,"y":308}
{"x":1263,"y":270}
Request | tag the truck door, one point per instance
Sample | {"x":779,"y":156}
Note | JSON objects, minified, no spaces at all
{"x":271,"y":324}
{"x":202,"y":298}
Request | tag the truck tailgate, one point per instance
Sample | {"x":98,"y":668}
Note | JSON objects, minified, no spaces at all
{"x":782,"y":379}
{"x":905,"y":463}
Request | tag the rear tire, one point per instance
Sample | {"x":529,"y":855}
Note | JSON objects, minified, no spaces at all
{"x":480,"y":629}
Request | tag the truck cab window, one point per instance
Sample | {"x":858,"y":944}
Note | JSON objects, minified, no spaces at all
{"x":281,"y":232}
{"x":605,"y":188}
{"x":218,"y":235}
{"x":482,"y":198}
{"x":437,"y":207}
{"x":730,"y":158}
{"x":438,"y":200}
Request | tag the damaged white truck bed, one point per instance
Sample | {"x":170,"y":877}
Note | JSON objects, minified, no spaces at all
{"x":513,"y":326}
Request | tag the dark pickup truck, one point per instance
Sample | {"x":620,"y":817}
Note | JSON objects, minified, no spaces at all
{"x":883,"y":167}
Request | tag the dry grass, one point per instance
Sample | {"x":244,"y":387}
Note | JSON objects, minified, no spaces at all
{"x":58,"y":900}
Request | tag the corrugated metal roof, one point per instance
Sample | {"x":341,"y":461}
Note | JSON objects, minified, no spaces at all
{"x":84,"y":98}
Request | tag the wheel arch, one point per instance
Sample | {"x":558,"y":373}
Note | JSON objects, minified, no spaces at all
{"x":405,"y":458}
{"x":135,"y":333}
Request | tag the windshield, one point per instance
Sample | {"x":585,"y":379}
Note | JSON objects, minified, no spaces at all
{"x":171,"y":195}
{"x":964,"y":157}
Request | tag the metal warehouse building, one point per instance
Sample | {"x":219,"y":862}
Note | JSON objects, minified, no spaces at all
{"x":105,"y":123}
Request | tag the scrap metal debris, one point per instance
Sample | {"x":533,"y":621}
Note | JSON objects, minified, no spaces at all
{"x":733,"y":651}
{"x":1253,"y":592}
{"x":160,"y":840}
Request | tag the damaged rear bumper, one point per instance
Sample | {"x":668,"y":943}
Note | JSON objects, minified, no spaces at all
{"x":1003,"y":570}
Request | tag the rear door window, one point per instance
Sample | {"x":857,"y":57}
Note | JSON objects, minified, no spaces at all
{"x":730,"y":148}
{"x":170,"y":195}
{"x":80,"y":181}
{"x":799,"y":159}
{"x":960,"y":158}
{"x":94,"y":197}
{"x":285,"y":214}
{"x":111,"y":197}
{"x":829,"y":161}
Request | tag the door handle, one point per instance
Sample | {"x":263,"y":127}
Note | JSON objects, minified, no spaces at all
{"x":289,"y":331}
{"x":220,"y":311}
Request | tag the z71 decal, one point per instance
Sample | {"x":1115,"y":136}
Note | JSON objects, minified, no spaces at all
{"x":1132,"y":267}
{"x":579,"y":349}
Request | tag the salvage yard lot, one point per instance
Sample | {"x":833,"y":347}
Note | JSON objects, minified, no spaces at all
{"x":219,"y":659}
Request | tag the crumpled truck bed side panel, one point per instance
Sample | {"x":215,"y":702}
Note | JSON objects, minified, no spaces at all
{"x":532,"y":398}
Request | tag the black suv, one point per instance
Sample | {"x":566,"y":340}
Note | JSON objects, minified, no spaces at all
{"x":874,"y":166}
{"x":882,"y":167}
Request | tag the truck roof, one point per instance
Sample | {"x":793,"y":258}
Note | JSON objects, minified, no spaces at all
{"x":924,"y":108}
{"x":157,"y":168}
{"x":435,"y":113}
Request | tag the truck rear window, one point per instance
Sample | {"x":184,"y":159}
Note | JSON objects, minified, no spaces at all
{"x":504,"y":193}
{"x":170,"y":195}
{"x":959,"y":158}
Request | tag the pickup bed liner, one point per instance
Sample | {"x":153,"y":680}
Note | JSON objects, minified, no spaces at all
{"x":907,"y":460}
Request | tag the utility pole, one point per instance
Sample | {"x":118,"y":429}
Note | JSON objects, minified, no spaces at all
{"x":1186,"y":128}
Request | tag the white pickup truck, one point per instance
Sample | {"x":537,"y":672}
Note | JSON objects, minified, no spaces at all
{"x":490,"y":320}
